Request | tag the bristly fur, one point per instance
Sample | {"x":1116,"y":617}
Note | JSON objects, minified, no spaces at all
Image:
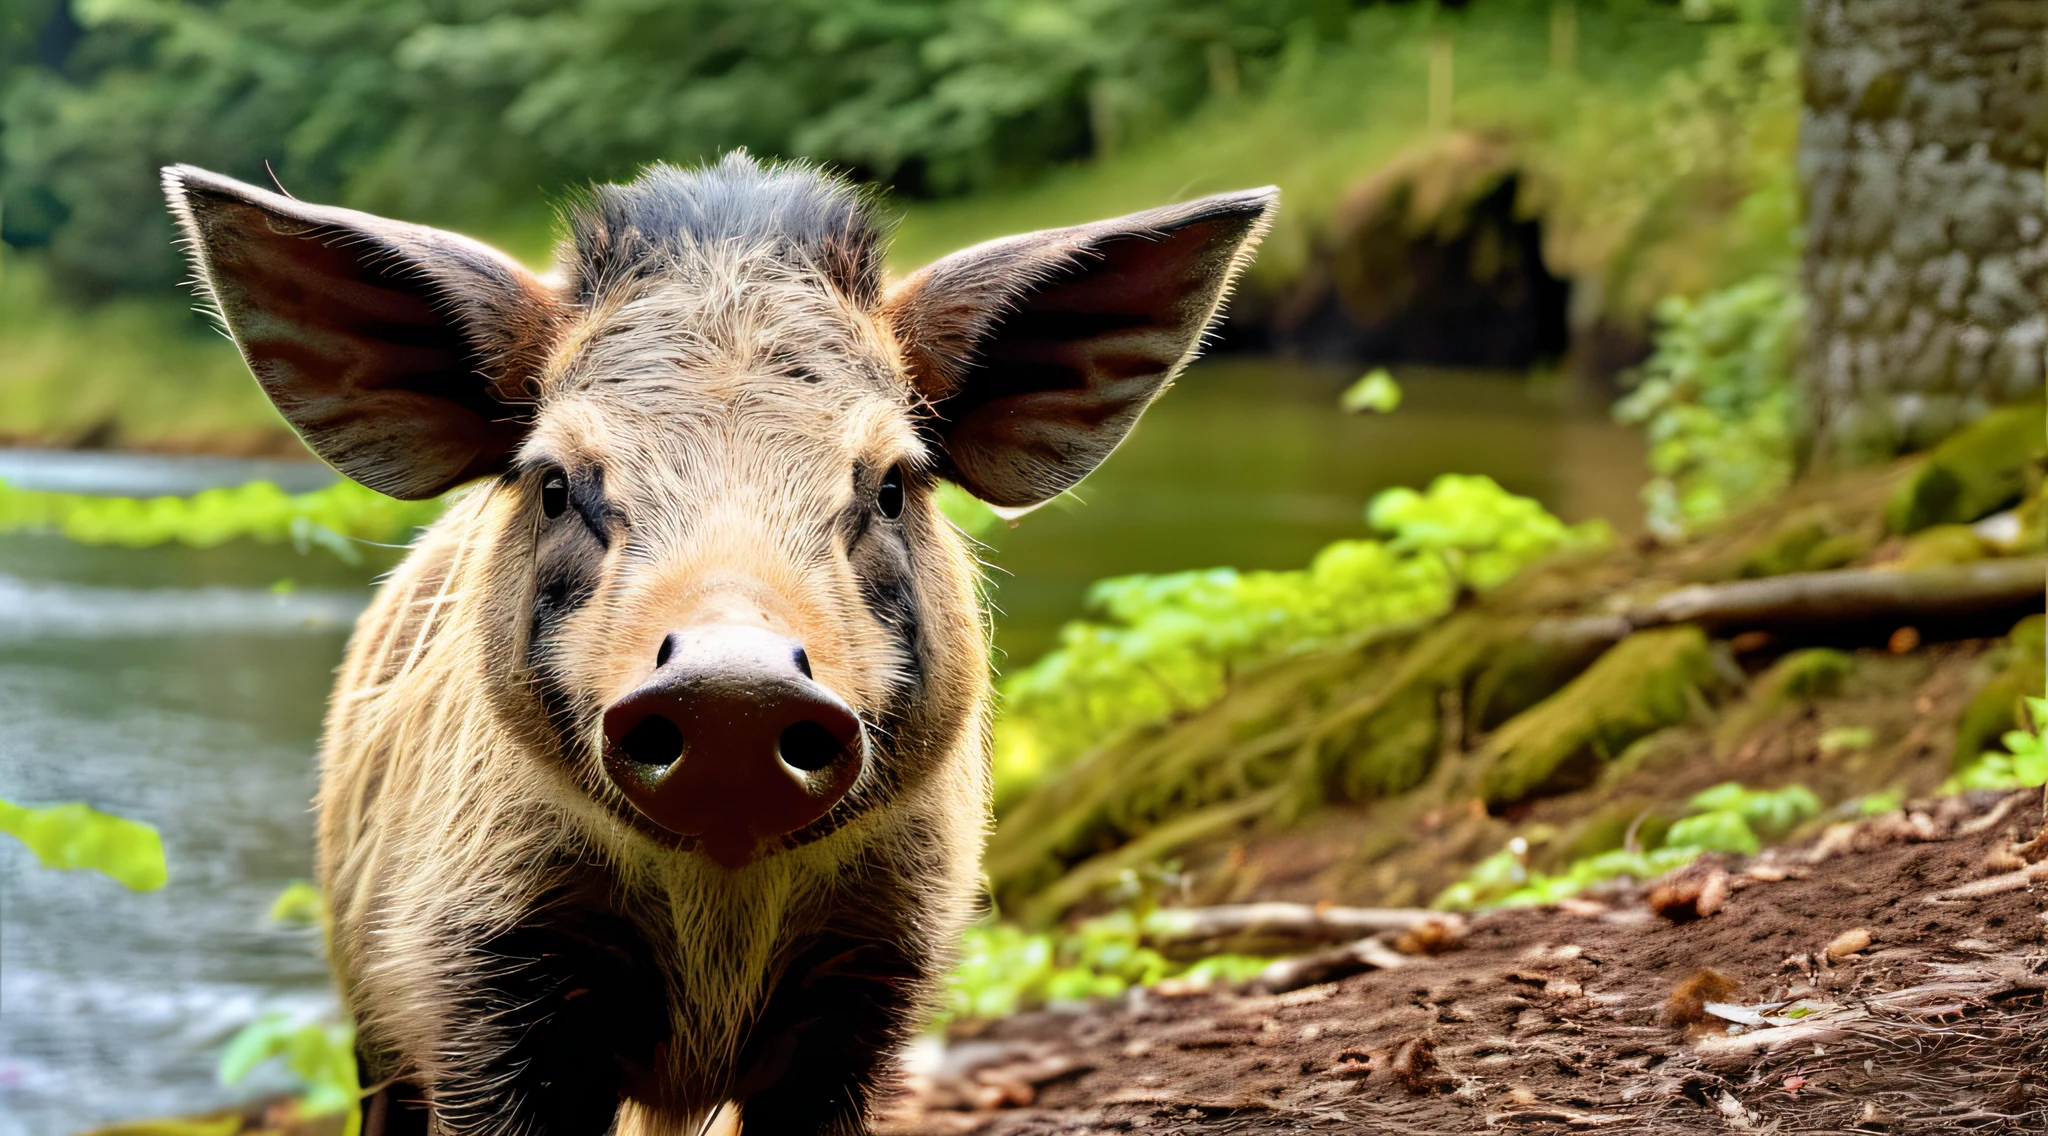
{"x":623,"y":233}
{"x":719,"y":378}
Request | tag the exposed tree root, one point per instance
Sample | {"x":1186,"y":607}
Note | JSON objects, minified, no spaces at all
{"x":1279,"y":928}
{"x":1490,"y":703}
{"x":1989,"y":594}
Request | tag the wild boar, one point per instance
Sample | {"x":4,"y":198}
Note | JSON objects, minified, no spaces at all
{"x":655,"y":778}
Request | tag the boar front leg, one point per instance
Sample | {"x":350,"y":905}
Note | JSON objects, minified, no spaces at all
{"x":544,"y":1027}
{"x":827,"y":1038}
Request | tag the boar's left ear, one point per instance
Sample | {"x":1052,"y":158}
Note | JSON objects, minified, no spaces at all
{"x":405,"y":356}
{"x":1039,"y":352}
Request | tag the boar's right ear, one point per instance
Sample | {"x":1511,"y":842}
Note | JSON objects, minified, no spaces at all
{"x":404,"y":356}
{"x":1037,"y":353}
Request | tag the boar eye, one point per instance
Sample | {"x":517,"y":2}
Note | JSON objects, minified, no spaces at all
{"x":554,"y":493}
{"x":889,"y":498}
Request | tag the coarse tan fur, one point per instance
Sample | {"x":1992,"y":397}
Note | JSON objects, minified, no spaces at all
{"x":723,"y":376}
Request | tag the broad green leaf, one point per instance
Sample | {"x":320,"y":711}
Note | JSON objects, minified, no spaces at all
{"x":321,"y":1056}
{"x":76,"y":836}
{"x":300,"y":904}
{"x":1376,"y":393}
{"x":1771,"y":812}
{"x":255,"y":1043}
{"x":1719,"y":831}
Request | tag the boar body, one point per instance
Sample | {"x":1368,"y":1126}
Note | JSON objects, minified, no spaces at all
{"x":656,"y":777}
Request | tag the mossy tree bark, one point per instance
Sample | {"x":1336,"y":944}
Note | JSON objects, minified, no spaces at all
{"x":1921,"y":154}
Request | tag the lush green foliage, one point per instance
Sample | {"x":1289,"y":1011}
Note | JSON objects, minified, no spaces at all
{"x":455,"y":111}
{"x":1716,"y":394}
{"x":77,"y":836}
{"x":436,"y":106}
{"x":1160,"y":645}
{"x":1725,"y":818}
{"x":322,"y":1055}
{"x":132,"y":371}
{"x":1769,"y":813}
{"x":1656,"y":169}
{"x":1716,"y":398}
{"x":2023,"y":765}
{"x":1684,"y":185}
{"x":1004,"y":968}
{"x":333,"y":518}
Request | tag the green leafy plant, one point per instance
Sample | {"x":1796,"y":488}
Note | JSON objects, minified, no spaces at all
{"x":300,"y":904}
{"x":1877,"y":804}
{"x":1480,"y":532}
{"x":334,"y":518}
{"x":320,"y":1055}
{"x":1004,"y":968}
{"x":1161,"y":645}
{"x":425,"y":107}
{"x":1770,"y":812}
{"x":2023,"y":765}
{"x":1715,"y":398}
{"x":75,"y":836}
{"x":1376,"y":393}
{"x":1725,"y":818}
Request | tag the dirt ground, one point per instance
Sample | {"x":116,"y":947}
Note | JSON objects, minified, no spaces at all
{"x":1908,"y":950}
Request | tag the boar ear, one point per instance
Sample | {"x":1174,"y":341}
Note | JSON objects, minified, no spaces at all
{"x":403,"y":355}
{"x":1039,"y":352}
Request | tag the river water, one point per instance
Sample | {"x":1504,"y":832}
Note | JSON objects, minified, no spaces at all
{"x":184,"y":687}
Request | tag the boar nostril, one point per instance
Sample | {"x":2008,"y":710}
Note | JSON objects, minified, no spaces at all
{"x":803,"y":661}
{"x":809,"y":746}
{"x":667,"y":648}
{"x":655,"y":741}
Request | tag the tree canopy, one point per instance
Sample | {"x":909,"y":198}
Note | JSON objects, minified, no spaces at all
{"x":445,"y":109}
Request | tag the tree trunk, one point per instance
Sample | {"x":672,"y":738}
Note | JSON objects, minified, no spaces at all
{"x":1921,"y":152}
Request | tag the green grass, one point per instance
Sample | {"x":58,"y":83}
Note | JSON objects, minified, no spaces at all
{"x":1337,"y":113}
{"x":135,"y":372}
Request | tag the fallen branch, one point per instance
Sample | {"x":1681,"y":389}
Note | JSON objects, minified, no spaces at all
{"x":1578,"y":1121}
{"x":1277,"y":928}
{"x":1734,"y":1051}
{"x":1329,"y":966}
{"x":1808,"y":600}
{"x":1993,"y":885}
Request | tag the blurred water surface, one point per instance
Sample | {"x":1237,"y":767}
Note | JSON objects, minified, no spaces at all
{"x":1248,"y":463}
{"x":180,"y":687}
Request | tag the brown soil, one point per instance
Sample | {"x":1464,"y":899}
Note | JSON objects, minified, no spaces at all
{"x":1578,"y":1020}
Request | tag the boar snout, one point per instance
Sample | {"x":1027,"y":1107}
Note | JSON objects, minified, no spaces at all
{"x":731,"y":740}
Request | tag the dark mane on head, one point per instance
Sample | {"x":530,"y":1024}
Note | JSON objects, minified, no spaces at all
{"x":620,"y":234}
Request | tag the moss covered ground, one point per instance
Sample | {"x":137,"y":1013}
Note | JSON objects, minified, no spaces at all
{"x":1380,"y":771}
